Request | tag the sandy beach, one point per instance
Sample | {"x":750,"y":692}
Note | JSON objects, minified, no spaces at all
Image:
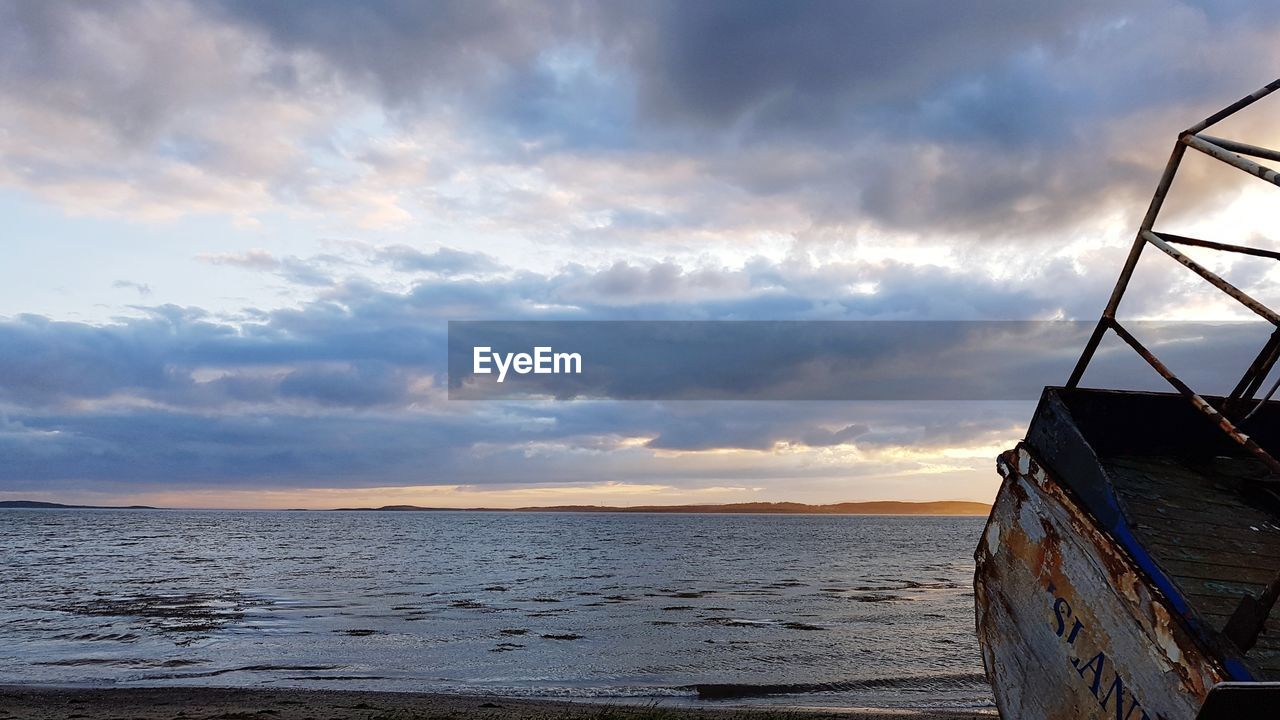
{"x":172,"y":703}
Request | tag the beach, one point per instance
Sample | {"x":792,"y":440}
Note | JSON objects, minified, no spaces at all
{"x":214,"y":703}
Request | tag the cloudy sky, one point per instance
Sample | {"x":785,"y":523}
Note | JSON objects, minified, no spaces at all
{"x":234,"y":232}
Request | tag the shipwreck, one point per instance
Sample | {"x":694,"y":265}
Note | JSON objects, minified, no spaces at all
{"x":1131,"y":562}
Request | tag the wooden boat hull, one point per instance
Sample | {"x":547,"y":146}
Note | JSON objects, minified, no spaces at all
{"x":1068,"y":624}
{"x":1131,"y":565}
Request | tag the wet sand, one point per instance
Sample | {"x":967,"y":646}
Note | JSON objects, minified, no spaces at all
{"x":196,"y":703}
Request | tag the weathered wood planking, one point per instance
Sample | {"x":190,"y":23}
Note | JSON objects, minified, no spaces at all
{"x":1069,"y":627}
{"x":1212,"y":542}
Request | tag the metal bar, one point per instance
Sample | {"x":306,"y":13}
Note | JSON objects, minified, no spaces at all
{"x":1250,"y":617}
{"x":1188,"y":138}
{"x":1240,"y":104}
{"x":1243,"y":250}
{"x":1213,"y":279}
{"x":1253,"y":377}
{"x":1232,"y":159}
{"x":1236,"y":146}
{"x":1200,"y":403}
{"x":1269,"y":353}
{"x":1130,"y":263}
{"x":1090,"y":347}
{"x":1261,"y":372}
{"x":1265,"y":399}
{"x":1148,"y":221}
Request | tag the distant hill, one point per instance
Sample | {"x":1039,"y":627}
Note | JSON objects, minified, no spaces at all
{"x":944,"y":507}
{"x":410,"y":508}
{"x":883,"y":507}
{"x":48,"y":505}
{"x":886,"y":507}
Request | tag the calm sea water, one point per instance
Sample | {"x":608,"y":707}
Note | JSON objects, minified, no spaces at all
{"x":798,"y":610}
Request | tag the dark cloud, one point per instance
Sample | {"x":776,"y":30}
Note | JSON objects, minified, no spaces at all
{"x":828,"y":438}
{"x":817,"y":64}
{"x":401,"y":47}
{"x":141,"y":449}
{"x":922,"y":426}
{"x":359,"y":385}
{"x":997,"y":119}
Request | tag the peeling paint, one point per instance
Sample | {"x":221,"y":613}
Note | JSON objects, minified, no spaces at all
{"x":993,"y":537}
{"x":1163,"y":637}
{"x":1069,"y":626}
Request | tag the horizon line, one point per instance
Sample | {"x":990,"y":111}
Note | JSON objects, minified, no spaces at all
{"x":761,"y":507}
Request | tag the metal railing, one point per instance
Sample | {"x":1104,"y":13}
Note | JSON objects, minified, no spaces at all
{"x":1239,"y":406}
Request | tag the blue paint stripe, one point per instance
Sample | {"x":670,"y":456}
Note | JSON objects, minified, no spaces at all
{"x":1208,"y":636}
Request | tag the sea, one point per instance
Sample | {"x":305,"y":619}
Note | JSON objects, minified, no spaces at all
{"x":703,"y":609}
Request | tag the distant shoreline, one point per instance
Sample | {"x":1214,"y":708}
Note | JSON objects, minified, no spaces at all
{"x":879,"y":507}
{"x":885,"y":507}
{"x":37,"y":505}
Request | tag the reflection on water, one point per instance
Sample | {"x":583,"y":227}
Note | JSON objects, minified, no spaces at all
{"x":817,"y":610}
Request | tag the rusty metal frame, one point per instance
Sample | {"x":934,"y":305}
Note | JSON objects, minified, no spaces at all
{"x":1235,"y":154}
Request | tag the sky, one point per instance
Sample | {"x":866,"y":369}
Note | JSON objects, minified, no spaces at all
{"x":234,"y":232}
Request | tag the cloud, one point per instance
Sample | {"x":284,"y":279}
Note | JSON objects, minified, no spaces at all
{"x":252,"y":260}
{"x":348,"y":389}
{"x":357,"y":385}
{"x":142,"y":289}
{"x":441,"y":260}
{"x":292,"y":269}
{"x":666,"y":122}
{"x":143,"y":108}
{"x":512,"y":446}
{"x":185,"y":397}
{"x":407,"y":48}
{"x":157,"y":111}
{"x":392,"y":338}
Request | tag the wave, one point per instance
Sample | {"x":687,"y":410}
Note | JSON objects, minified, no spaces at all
{"x":245,"y":668}
{"x":729,"y":691}
{"x":601,"y":692}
